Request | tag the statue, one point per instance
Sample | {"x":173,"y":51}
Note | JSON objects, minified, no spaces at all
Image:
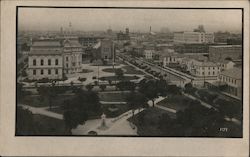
{"x":103,"y":125}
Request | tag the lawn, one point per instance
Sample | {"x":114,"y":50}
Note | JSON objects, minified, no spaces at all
{"x":86,"y":71}
{"x":113,"y":96}
{"x":131,"y":70}
{"x":114,"y":110}
{"x":147,"y":121}
{"x":127,"y":70}
{"x":39,"y":101}
{"x":114,"y":78}
{"x":176,"y":102}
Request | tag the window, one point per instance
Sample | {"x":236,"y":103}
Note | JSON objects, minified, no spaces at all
{"x":67,"y":65}
{"x":213,"y":72}
{"x":56,"y":71}
{"x":56,"y":62}
{"x":34,"y":72}
{"x":208,"y":73}
{"x":67,"y":58}
{"x":34,"y":62}
{"x":49,"y":71}
{"x":41,"y":61}
{"x":49,"y":62}
{"x":41,"y":71}
{"x":202,"y":73}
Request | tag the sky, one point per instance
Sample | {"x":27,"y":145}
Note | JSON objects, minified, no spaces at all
{"x":89,"y":19}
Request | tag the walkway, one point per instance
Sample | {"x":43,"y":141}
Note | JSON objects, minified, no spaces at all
{"x":42,"y":111}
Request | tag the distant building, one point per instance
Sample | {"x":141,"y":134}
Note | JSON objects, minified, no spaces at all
{"x":225,"y":52}
{"x":104,"y":50}
{"x":123,"y":36}
{"x":89,"y":41}
{"x":148,"y":54}
{"x":233,"y":80}
{"x":193,"y":37}
{"x":45,"y":60}
{"x":191,"y":48}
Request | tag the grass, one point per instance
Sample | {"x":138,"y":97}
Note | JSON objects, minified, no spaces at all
{"x":127,"y":70}
{"x":48,"y":126}
{"x":131,"y":70}
{"x":176,"y":102}
{"x":113,"y":97}
{"x":114,"y":110}
{"x":114,"y":78}
{"x":86,"y":71}
{"x":39,"y":101}
{"x":147,"y":121}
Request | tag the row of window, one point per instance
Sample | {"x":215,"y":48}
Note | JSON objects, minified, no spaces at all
{"x":213,"y":73}
{"x":42,"y":72}
{"x":228,"y":79}
{"x":42,"y":62}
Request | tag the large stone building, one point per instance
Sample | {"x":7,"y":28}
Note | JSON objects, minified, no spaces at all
{"x":193,"y":37}
{"x":45,"y":60}
{"x":225,"y":52}
{"x":72,"y":56}
{"x":52,"y":59}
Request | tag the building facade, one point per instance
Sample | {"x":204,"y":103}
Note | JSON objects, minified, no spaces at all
{"x":45,"y":60}
{"x":233,"y":80}
{"x":72,"y":56}
{"x":225,"y":52}
{"x":193,"y":37}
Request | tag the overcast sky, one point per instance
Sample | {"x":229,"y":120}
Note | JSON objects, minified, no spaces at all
{"x":136,"y":19}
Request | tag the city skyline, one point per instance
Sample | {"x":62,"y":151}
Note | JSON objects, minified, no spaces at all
{"x":52,"y":19}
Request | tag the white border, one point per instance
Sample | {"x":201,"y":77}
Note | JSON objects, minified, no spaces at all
{"x":108,"y":146}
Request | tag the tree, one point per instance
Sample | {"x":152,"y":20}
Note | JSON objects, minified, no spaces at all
{"x":119,"y":73}
{"x":136,"y":100}
{"x":152,"y":89}
{"x":25,"y":124}
{"x":76,"y":111}
{"x":126,"y":85}
{"x":103,"y":87}
{"x":189,"y":88}
{"x":89,"y":87}
{"x":47,"y":93}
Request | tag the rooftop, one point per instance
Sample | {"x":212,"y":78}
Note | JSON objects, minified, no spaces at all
{"x":225,"y":46}
{"x":45,"y":52}
{"x":235,"y":73}
{"x":72,"y":43}
{"x":46,"y":43}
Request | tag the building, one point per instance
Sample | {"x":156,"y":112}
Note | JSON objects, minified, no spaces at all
{"x":192,"y":48}
{"x":45,"y":60}
{"x":89,"y":41}
{"x":193,"y":37}
{"x":53,"y":58}
{"x":233,"y":80}
{"x":205,"y":69}
{"x":148,"y":54}
{"x":225,"y":65}
{"x":123,"y":36}
{"x":72,"y":56}
{"x":225,"y":52}
{"x":104,"y":50}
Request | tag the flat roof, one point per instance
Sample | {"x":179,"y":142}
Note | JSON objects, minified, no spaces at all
{"x":46,"y":43}
{"x":233,"y":73}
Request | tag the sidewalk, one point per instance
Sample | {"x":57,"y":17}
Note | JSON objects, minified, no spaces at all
{"x":42,"y":111}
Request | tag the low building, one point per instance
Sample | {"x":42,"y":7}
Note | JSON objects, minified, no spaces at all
{"x":45,"y":60}
{"x":225,"y":65}
{"x":148,"y":54}
{"x":233,"y":79}
{"x":89,"y":41}
{"x":205,"y":69}
{"x":225,"y":52}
